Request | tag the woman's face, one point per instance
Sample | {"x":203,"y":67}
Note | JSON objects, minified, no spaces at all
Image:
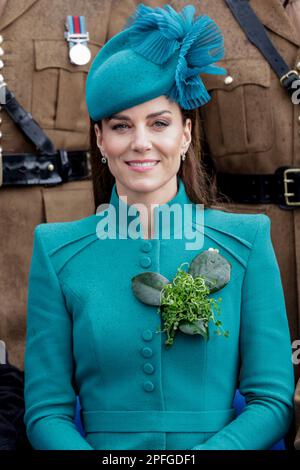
{"x":152,"y":131}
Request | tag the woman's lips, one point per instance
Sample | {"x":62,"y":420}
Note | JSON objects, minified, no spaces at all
{"x":141,"y":168}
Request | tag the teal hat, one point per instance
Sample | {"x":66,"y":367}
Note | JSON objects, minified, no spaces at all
{"x":158,"y":52}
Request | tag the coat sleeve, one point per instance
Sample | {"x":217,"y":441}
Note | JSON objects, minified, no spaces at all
{"x":49,"y":395}
{"x":266,"y":374}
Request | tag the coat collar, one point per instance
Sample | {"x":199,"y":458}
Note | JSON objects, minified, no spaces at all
{"x":14,"y":10}
{"x":126,"y":218}
{"x":273,"y":15}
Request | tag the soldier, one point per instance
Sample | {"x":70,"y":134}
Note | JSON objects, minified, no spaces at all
{"x":252,"y":128}
{"x":46,"y":74}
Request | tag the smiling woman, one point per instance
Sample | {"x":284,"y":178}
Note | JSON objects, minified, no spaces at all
{"x":134,"y":135}
{"x":92,"y":318}
{"x":129,"y":140}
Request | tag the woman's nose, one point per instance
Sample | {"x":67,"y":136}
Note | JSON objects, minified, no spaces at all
{"x":141,"y":141}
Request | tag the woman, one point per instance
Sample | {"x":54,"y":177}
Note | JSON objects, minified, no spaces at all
{"x":96,"y":283}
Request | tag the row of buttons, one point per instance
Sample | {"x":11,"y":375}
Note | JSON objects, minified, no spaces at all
{"x":145,"y":261}
{"x":148,"y":368}
{"x":147,"y":335}
{"x":2,"y":84}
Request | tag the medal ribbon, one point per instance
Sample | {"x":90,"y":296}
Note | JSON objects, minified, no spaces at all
{"x":76,"y":25}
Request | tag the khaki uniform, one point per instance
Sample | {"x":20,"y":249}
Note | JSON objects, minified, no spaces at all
{"x":251,"y":126}
{"x":36,"y":67}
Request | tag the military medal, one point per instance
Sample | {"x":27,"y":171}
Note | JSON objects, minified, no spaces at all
{"x":77,"y":38}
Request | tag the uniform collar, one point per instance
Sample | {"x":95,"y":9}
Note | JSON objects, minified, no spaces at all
{"x":126,"y":214}
{"x":272,"y":14}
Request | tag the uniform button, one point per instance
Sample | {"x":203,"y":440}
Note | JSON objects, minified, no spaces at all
{"x":298,"y":65}
{"x":145,"y":261}
{"x":148,"y":386}
{"x":1,"y":51}
{"x":1,"y":135}
{"x":298,"y":118}
{"x":0,"y":120}
{"x":146,"y":247}
{"x":1,"y":78}
{"x":147,"y":352}
{"x":147,"y":335}
{"x":228,"y":80}
{"x":148,"y":368}
{"x":1,"y":39}
{"x":1,"y":64}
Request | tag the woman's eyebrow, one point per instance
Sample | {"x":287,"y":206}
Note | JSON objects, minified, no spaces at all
{"x":127,"y":118}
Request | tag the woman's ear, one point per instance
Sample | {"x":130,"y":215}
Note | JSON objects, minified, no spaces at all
{"x":187,"y":133}
{"x":98,"y":136}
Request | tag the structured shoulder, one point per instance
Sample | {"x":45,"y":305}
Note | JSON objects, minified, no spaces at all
{"x":241,"y":224}
{"x":56,"y":235}
{"x":235,"y":232}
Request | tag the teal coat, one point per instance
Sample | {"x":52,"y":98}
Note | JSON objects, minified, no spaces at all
{"x":88,"y":334}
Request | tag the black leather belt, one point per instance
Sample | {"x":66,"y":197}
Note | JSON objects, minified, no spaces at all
{"x":282,"y":187}
{"x":22,"y":169}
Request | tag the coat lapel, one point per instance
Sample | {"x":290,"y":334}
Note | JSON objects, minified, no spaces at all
{"x":13,"y":9}
{"x":272,"y":14}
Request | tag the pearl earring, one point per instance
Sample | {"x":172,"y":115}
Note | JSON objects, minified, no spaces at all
{"x":183,"y":157}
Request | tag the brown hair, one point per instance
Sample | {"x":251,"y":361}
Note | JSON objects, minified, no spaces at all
{"x":200,"y":185}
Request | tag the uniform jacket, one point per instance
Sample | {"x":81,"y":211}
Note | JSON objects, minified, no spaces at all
{"x":251,"y":126}
{"x":36,"y":67}
{"x":88,"y":334}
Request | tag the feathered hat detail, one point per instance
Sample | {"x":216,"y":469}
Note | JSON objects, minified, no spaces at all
{"x":158,"y":52}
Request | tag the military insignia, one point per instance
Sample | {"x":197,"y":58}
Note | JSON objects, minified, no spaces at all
{"x":77,"y":38}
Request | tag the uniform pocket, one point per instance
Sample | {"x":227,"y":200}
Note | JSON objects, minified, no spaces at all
{"x":59,"y":87}
{"x":238,"y":119}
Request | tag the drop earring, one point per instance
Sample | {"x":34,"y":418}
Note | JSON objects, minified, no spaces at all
{"x":103,"y":159}
{"x":183,"y":157}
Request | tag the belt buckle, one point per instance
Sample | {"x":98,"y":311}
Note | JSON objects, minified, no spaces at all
{"x":286,"y":181}
{"x":288,"y":79}
{"x":287,"y":75}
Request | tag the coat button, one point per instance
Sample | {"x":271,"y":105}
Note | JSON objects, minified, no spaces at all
{"x":146,"y":247}
{"x":298,"y":65}
{"x":228,"y":80}
{"x":148,"y":368}
{"x":147,"y":335}
{"x":1,"y":39}
{"x":1,"y":64}
{"x":148,"y":386}
{"x":145,"y":261}
{"x":147,"y":352}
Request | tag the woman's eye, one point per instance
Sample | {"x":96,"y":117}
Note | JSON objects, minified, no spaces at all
{"x":163,"y":124}
{"x":119,"y":126}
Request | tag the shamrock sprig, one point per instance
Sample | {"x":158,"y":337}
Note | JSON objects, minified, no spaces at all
{"x":184,"y":304}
